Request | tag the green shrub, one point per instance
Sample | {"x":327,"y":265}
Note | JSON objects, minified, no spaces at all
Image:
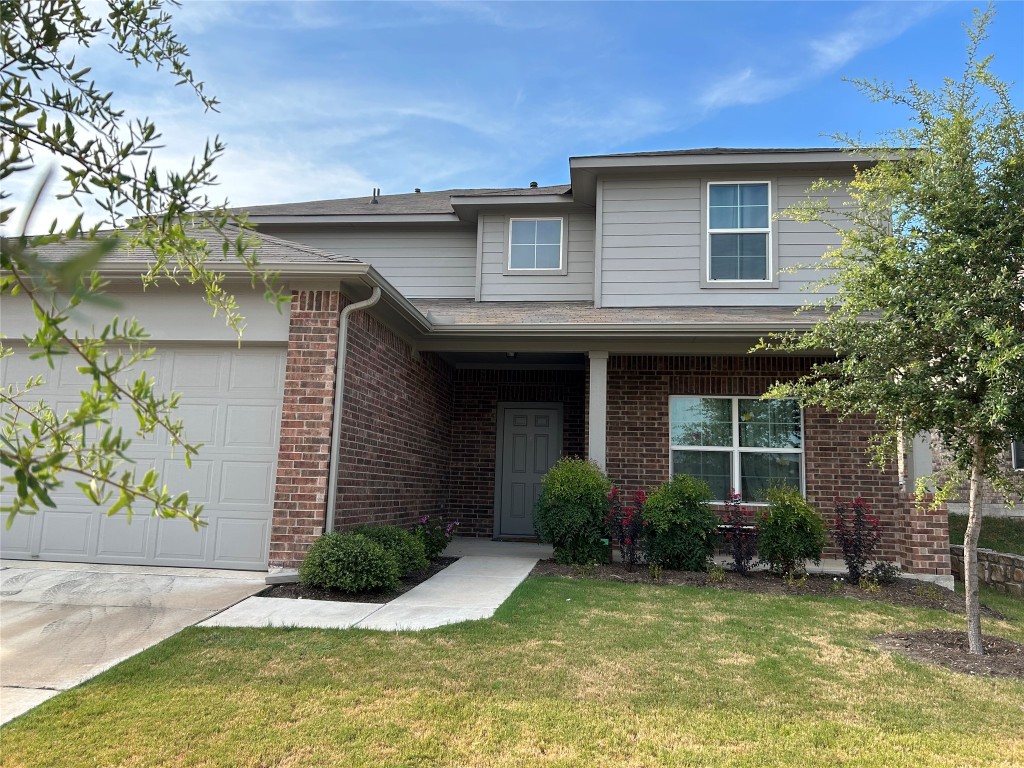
{"x":791,"y":532}
{"x":409,"y":551}
{"x":349,"y":562}
{"x":570,"y":511}
{"x":681,"y":528}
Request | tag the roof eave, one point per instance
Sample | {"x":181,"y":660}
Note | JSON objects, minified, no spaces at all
{"x":360,"y":218}
{"x":583,"y":171}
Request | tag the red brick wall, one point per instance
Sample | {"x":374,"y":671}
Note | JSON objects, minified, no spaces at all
{"x":300,"y":490}
{"x":475,"y":432}
{"x":396,"y":429}
{"x":835,"y":462}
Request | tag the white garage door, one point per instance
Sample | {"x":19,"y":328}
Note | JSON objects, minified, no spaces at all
{"x":232,"y":405}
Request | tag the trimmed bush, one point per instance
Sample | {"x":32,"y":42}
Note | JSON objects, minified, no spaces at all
{"x":349,"y":562}
{"x":570,"y":511}
{"x":681,"y":528}
{"x":409,"y":551}
{"x":791,"y":532}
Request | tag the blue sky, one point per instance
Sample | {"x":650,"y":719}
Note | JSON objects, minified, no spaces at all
{"x":330,"y":99}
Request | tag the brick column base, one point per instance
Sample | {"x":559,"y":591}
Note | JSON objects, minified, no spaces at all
{"x":925,"y":537}
{"x":307,"y":413}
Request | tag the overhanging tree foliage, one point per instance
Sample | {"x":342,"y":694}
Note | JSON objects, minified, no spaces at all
{"x":927,"y":317}
{"x":55,"y":116}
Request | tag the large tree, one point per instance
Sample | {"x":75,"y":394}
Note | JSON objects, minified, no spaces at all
{"x":55,"y":116}
{"x":927,"y":314}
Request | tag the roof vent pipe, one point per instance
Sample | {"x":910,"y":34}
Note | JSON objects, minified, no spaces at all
{"x":376,"y":191}
{"x":417,"y":190}
{"x":339,"y":400}
{"x":533,"y":185}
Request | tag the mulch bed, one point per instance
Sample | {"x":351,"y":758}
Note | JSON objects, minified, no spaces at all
{"x":949,"y":649}
{"x":298,"y":592}
{"x":907,"y":592}
{"x":944,"y":648}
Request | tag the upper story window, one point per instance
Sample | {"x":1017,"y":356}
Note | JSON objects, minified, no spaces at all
{"x":737,"y":442}
{"x":535,"y":244}
{"x":739,"y":231}
{"x":1017,"y":455}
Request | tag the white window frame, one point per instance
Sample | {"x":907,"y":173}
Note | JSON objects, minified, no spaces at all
{"x":769,"y":278}
{"x":559,"y":270}
{"x":1016,"y":455}
{"x":736,"y":449}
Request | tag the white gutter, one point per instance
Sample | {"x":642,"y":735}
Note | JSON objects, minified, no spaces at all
{"x":339,"y":399}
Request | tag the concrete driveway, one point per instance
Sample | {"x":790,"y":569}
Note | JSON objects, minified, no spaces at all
{"x":62,"y":623}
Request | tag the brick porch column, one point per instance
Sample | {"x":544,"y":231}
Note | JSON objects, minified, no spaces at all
{"x":303,"y":462}
{"x":925,"y":547}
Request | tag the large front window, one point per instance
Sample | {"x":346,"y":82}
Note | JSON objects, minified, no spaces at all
{"x":737,"y":442}
{"x":739,"y":231}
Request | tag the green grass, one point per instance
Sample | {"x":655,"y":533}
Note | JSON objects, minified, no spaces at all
{"x":569,"y":673}
{"x":1003,"y":534}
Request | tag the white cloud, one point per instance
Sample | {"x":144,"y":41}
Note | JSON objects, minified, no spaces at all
{"x":870,"y":26}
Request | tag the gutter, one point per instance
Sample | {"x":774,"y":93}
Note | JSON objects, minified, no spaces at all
{"x":339,"y":399}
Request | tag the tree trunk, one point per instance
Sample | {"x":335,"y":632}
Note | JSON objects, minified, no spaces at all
{"x":971,"y":550}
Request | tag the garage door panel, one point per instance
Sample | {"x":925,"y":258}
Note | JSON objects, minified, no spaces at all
{"x":120,"y":539}
{"x":197,"y":373}
{"x":178,"y":542}
{"x":251,"y":426}
{"x":198,"y":480}
{"x":255,"y":373}
{"x":231,"y":404}
{"x":202,"y":421}
{"x":19,"y":537}
{"x":240,"y":541}
{"x":246,"y":484}
{"x":68,"y":533}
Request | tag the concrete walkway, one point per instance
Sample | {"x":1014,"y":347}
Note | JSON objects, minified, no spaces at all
{"x":471,"y":588}
{"x":63,"y":623}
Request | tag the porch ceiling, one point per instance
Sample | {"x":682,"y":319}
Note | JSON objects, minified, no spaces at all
{"x":513,"y":360}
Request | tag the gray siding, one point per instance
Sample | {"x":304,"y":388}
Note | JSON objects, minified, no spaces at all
{"x":436,"y":262}
{"x":576,"y":285}
{"x":651,"y":244}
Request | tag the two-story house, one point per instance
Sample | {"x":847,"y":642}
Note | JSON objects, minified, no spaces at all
{"x":443,"y":349}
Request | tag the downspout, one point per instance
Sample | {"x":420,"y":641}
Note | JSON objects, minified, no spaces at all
{"x":339,"y":399}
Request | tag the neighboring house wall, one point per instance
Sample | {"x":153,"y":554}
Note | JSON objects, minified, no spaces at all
{"x":653,"y":240}
{"x":436,"y":262}
{"x":993,"y":503}
{"x":396,"y":431}
{"x":498,"y":284}
{"x":475,"y":435}
{"x":835,"y":461}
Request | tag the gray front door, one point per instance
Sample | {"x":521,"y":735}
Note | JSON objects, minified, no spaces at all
{"x":529,"y":443}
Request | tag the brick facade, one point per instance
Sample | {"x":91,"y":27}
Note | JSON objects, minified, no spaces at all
{"x":300,"y":490}
{"x":396,"y":429}
{"x":835,"y":461}
{"x":475,"y":432}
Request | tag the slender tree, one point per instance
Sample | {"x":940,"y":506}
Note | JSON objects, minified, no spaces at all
{"x":55,"y":116}
{"x":926,"y":316}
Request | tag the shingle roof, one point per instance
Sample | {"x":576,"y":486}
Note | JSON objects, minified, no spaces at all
{"x":411,"y":203}
{"x":445,"y":313}
{"x":272,"y":251}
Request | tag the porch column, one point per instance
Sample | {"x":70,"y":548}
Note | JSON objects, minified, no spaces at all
{"x":597,"y":418}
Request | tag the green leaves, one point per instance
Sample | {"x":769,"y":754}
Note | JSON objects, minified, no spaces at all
{"x":927,"y":322}
{"x":50,"y":107}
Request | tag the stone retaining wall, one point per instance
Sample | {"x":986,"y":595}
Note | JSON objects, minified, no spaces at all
{"x":1005,"y":573}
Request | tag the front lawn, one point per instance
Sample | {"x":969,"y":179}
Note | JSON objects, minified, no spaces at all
{"x":1003,"y":534}
{"x":570,"y":672}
